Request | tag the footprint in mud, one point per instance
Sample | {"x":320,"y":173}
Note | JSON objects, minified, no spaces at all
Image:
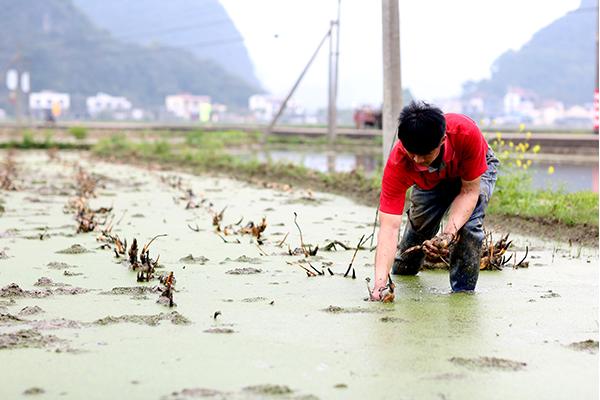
{"x":74,"y":249}
{"x":590,"y":346}
{"x":244,"y":271}
{"x":488,"y":363}
{"x":194,"y":260}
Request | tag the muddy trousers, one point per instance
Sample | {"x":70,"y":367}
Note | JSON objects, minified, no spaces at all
{"x":425,"y":214}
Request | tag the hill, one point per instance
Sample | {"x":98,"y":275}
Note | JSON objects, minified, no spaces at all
{"x":64,"y":51}
{"x":201,"y":27}
{"x":557,"y":63}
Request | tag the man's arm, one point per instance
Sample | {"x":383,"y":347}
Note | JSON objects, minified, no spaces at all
{"x":460,"y":211}
{"x":387,"y":242}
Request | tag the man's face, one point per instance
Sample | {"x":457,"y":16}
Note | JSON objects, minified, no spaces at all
{"x":425,"y":160}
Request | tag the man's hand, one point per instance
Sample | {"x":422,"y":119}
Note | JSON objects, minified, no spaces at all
{"x":438,"y":246}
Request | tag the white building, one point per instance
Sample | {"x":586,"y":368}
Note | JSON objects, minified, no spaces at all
{"x":518,"y":101}
{"x":189,"y":106}
{"x":103,"y":102}
{"x":264,"y":108}
{"x":48,"y":100}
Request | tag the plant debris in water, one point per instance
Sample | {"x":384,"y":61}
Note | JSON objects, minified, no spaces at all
{"x":194,"y":260}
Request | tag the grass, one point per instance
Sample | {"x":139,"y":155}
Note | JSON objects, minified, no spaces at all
{"x":203,"y":153}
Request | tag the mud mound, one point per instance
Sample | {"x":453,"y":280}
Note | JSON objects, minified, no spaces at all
{"x":47,"y":282}
{"x":194,"y":260}
{"x":30,"y":310}
{"x":14,"y":291}
{"x":132,"y":290}
{"x":60,"y":265}
{"x":591,"y":346}
{"x":244,"y":271}
{"x":151,"y":320}
{"x":353,"y":310}
{"x":75,"y":249}
{"x":489,"y":363}
{"x":27,"y":338}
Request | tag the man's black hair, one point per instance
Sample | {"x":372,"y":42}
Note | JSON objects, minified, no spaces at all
{"x":421,"y":127}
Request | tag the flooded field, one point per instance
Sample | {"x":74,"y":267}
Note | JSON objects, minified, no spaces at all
{"x":248,"y":323}
{"x":570,"y":175}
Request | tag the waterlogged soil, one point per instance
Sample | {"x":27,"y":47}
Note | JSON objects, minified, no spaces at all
{"x":249,"y":323}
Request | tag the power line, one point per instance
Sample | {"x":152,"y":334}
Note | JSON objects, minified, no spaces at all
{"x":180,"y":28}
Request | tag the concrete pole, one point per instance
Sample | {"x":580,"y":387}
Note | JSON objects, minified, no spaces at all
{"x":333,"y":76}
{"x":392,"y":85}
{"x":331,"y":111}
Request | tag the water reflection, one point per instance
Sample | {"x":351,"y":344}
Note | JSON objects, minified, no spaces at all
{"x":570,"y":177}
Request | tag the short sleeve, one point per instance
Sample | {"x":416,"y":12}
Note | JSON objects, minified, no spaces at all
{"x":474,"y":149}
{"x":393,"y":187}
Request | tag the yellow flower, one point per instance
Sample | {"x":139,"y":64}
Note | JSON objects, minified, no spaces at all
{"x":502,"y":143}
{"x":511,"y":144}
{"x":528,"y":135}
{"x":536,"y":148}
{"x":550,"y":170}
{"x":526,"y":146}
{"x":529,"y":162}
{"x":521,"y":127}
{"x":505,"y":153}
{"x":498,"y":136}
{"x":518,"y":163}
{"x":525,"y":166}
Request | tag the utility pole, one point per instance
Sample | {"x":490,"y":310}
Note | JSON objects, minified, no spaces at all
{"x":334,"y":54}
{"x":287,"y":98}
{"x":596,"y":95}
{"x":392,"y":85}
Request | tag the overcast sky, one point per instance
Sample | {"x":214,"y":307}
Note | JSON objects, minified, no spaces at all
{"x":443,"y":42}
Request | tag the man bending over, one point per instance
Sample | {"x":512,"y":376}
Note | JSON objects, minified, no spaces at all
{"x":449,"y":165}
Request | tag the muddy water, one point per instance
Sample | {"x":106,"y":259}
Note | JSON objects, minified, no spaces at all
{"x":521,"y":335}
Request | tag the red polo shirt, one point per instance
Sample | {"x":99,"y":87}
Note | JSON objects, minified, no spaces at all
{"x":464,"y":157}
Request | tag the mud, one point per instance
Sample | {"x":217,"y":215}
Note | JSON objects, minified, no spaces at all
{"x":14,"y":291}
{"x":74,"y":249}
{"x":489,"y":363}
{"x":255,"y":392}
{"x":194,"y":260}
{"x":132,"y":291}
{"x":275,"y":326}
{"x":27,"y":338}
{"x":34,"y":391}
{"x":47,"y":282}
{"x":30,"y":310}
{"x":151,"y":320}
{"x":590,"y":346}
{"x":244,"y":271}
{"x":60,"y":265}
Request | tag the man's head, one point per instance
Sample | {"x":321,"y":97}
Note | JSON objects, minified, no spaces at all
{"x":422,"y":130}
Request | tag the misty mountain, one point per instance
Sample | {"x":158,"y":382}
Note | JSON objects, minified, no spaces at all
{"x":202,"y":27}
{"x":64,"y":51}
{"x":559,"y":61}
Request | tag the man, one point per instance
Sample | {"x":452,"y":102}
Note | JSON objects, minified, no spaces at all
{"x":448,"y":163}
